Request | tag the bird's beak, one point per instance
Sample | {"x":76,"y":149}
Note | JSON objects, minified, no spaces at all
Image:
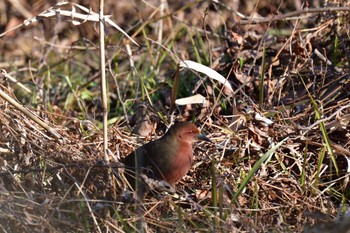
{"x":203,"y":137}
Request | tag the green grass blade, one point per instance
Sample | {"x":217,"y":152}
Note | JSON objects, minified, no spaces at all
{"x":261,"y":86}
{"x":255,"y":168}
{"x":322,"y":127}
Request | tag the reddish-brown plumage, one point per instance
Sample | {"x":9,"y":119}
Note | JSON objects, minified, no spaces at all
{"x":168,"y":158}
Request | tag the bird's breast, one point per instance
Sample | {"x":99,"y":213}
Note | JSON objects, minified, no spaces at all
{"x":181,"y":163}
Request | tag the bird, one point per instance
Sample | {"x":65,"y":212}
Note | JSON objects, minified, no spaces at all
{"x":165,"y":160}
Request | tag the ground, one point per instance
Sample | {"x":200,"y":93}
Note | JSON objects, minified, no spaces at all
{"x":279,"y":156}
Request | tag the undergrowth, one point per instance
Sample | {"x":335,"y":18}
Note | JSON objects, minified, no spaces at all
{"x":280,"y":154}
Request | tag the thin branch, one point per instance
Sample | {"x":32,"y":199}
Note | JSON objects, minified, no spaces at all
{"x":26,"y":112}
{"x":103,"y":83}
{"x":81,"y":165}
{"x":291,"y":15}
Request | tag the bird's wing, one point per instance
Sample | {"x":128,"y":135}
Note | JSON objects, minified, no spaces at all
{"x":158,"y":155}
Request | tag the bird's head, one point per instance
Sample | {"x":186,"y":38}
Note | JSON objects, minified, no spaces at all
{"x":188,"y":132}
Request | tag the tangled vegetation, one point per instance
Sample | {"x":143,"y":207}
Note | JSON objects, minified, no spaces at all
{"x":279,"y":157}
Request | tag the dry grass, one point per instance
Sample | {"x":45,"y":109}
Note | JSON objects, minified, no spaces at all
{"x":291,"y":82}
